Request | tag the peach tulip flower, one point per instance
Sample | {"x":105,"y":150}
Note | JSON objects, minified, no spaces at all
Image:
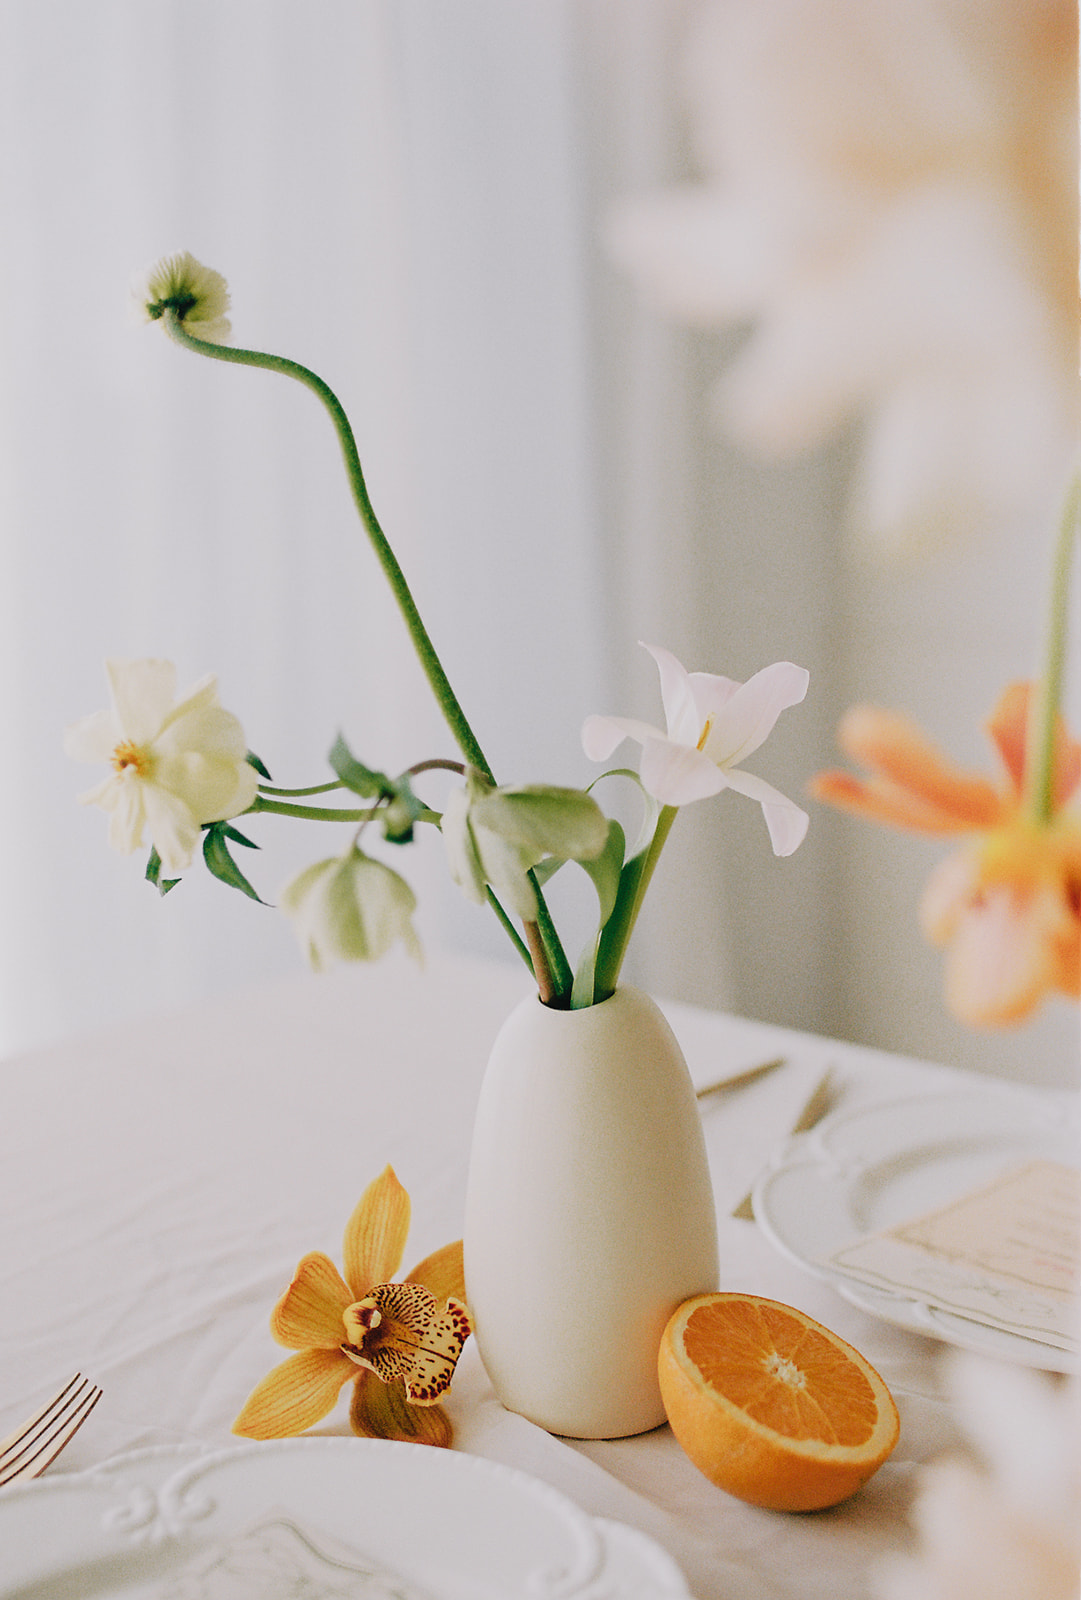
{"x":398,"y":1342}
{"x":1007,"y":906}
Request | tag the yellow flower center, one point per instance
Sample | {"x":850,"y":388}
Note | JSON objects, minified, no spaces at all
{"x":1025,"y":855}
{"x":704,"y":735}
{"x":129,"y":754}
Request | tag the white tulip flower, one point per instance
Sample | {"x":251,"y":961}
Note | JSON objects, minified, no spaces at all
{"x":713,"y":725}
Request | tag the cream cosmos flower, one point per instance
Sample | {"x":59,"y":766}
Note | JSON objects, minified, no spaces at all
{"x":176,"y":764}
{"x":198,"y":295}
{"x":713,"y":725}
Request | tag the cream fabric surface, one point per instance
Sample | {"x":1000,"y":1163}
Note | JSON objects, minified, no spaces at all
{"x":159,"y":1182}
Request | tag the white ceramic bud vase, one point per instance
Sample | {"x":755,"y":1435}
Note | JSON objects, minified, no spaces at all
{"x":589,"y":1214}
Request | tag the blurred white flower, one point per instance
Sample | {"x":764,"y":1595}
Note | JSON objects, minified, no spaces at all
{"x":713,"y":724}
{"x":176,"y":764}
{"x":1010,"y":1528}
{"x":350,"y":908}
{"x":890,"y":200}
{"x":198,"y":295}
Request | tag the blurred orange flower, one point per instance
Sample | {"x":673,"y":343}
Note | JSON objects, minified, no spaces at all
{"x":398,"y":1342}
{"x":1007,"y":906}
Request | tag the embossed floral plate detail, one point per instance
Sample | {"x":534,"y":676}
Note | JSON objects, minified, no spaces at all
{"x":369,"y":1517}
{"x":876,"y":1166}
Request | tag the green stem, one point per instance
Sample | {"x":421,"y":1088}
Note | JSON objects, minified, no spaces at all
{"x":448,"y":702}
{"x":299,"y":794}
{"x":633,"y":883}
{"x":559,"y":974}
{"x":429,"y":660}
{"x":282,"y":808}
{"x":1044,"y":713}
{"x":511,"y":931}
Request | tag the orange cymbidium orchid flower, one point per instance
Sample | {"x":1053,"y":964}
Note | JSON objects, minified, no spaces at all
{"x":1008,"y":905}
{"x":398,"y":1342}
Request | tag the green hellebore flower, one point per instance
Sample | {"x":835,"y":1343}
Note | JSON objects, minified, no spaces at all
{"x":350,"y":908}
{"x":494,"y":836}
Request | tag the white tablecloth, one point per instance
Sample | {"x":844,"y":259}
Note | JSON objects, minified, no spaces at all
{"x":159,"y":1183}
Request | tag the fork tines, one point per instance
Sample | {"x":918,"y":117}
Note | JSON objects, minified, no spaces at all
{"x":28,"y":1451}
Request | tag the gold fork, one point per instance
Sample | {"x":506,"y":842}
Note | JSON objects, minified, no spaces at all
{"x":27,"y":1452}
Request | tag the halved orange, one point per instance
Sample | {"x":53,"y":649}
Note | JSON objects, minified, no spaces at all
{"x":770,"y":1405}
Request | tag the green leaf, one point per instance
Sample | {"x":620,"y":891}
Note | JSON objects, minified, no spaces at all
{"x":221,"y":863}
{"x":651,"y":808}
{"x":362,"y":780}
{"x":402,"y":807}
{"x":236,"y":836}
{"x":253,"y":761}
{"x":153,"y":874}
{"x":605,"y":869}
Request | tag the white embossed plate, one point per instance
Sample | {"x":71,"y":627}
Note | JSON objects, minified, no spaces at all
{"x":352,"y":1519}
{"x":871,"y":1168}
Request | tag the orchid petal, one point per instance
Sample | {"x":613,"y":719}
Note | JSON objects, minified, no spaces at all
{"x":1008,"y":946}
{"x":894,"y":746}
{"x":786,"y":822}
{"x":1008,"y":726}
{"x":296,"y":1395}
{"x":309,"y":1313}
{"x":602,"y":735}
{"x":143,"y":692}
{"x":442,"y":1273}
{"x":1001,"y":960}
{"x":947,"y":892}
{"x":380,"y":1410}
{"x":676,"y":774}
{"x":748,"y":716}
{"x":879,"y":801}
{"x":375,"y":1234}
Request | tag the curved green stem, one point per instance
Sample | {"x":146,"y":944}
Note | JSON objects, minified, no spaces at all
{"x":634,"y":881}
{"x":1040,"y":764}
{"x":448,"y":701}
{"x":553,"y":956}
{"x":283,"y":808}
{"x":299,"y":794}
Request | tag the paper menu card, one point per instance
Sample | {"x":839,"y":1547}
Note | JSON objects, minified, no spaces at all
{"x":1006,"y":1254}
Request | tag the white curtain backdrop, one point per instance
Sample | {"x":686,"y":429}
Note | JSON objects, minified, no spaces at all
{"x":392,"y":192}
{"x":410,"y":196}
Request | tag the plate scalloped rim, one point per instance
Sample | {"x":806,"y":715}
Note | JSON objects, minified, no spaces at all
{"x":1029,"y":1120}
{"x":149,"y":1499}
